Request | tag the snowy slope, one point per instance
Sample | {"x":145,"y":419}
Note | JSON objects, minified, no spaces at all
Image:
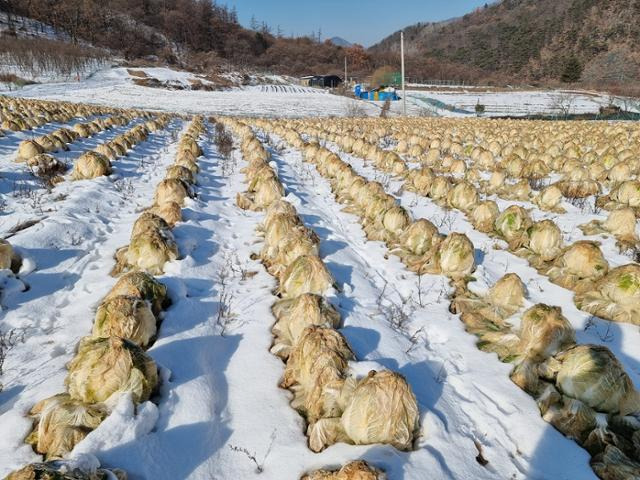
{"x":277,"y":96}
{"x":27,"y":27}
{"x":38,"y":68}
{"x":115,"y":87}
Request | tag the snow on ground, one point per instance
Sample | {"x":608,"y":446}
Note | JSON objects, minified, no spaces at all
{"x":25,"y":196}
{"x":168,"y":77}
{"x":29,"y":28}
{"x":272,"y":96}
{"x":509,"y":103}
{"x":463,"y":397}
{"x":70,"y":254}
{"x":114,"y":87}
{"x":44,"y":75}
{"x":251,"y":83}
{"x":219,"y":402}
{"x":225,"y":398}
{"x":286,"y":89}
{"x":253,"y":79}
{"x":493,"y":263}
{"x":167,"y":74}
{"x":24,"y":27}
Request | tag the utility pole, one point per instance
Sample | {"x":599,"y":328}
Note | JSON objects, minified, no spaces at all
{"x":404,"y":91}
{"x":345,"y":71}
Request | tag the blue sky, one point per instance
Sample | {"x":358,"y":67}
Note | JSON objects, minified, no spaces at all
{"x":364,"y":21}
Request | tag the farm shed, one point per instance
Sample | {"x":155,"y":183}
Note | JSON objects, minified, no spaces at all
{"x":306,"y":81}
{"x":324,"y":81}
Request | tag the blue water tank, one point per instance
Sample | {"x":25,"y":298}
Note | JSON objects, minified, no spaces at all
{"x":391,"y":96}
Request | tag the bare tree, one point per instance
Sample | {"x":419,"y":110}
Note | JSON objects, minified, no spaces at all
{"x":384,"y":113}
{"x":562,"y":103}
{"x":354,"y":109}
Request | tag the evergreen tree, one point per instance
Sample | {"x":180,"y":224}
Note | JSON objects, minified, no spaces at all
{"x":572,"y":70}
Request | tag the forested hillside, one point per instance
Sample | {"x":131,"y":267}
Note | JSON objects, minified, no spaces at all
{"x":541,"y":41}
{"x":592,"y":43}
{"x":197,"y":34}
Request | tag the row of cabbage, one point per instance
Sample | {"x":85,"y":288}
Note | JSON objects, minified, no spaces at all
{"x":91,"y":164}
{"x":609,"y":293}
{"x":97,"y":162}
{"x":338,"y":407}
{"x":87,"y":165}
{"x":582,"y":390}
{"x":112,"y":361}
{"x":545,"y":177}
{"x":582,"y":158}
{"x":17,"y":114}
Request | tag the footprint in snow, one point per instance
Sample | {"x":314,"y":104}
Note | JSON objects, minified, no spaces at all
{"x":57,"y":351}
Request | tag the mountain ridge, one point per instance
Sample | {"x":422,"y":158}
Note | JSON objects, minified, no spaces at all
{"x":589,"y":43}
{"x":535,"y":41}
{"x":340,"y":42}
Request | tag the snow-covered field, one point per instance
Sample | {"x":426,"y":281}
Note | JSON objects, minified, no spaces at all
{"x":115,"y":87}
{"x":221,"y":390}
{"x":515,"y":103}
{"x":219,"y":413}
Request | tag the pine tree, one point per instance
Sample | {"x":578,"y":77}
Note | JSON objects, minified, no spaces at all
{"x":572,"y":70}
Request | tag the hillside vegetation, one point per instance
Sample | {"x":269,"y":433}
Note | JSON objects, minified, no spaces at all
{"x":33,"y":51}
{"x":195,"y":34}
{"x":536,"y":41}
{"x":589,"y":43}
